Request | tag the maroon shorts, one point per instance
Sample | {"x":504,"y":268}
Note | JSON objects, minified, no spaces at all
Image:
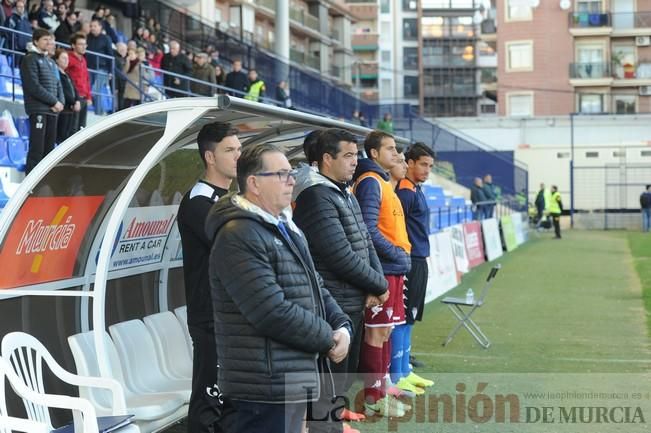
{"x":392,"y":312}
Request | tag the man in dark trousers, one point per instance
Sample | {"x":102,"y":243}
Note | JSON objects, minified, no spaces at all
{"x":177,"y":63}
{"x":645,"y":204}
{"x":555,"y":210}
{"x":276,"y":325}
{"x":342,"y":250}
{"x":102,"y":66}
{"x":491,"y":195}
{"x":478,"y":198}
{"x":540,"y":204}
{"x":43,"y":97}
{"x":237,"y":80}
{"x":219,"y":149}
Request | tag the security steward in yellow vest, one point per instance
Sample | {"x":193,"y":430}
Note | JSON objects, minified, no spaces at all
{"x":256,"y":88}
{"x":555,"y":209}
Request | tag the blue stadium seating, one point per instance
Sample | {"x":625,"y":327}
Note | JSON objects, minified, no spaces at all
{"x":5,"y":161}
{"x":22,"y":125}
{"x":4,"y":198}
{"x":17,"y":151}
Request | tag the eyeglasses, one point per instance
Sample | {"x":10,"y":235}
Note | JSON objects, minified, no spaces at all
{"x":283,"y":175}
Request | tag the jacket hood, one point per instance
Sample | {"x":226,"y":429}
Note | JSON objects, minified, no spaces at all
{"x":367,"y":164}
{"x":309,"y":176}
{"x":31,"y":48}
{"x":234,"y":206}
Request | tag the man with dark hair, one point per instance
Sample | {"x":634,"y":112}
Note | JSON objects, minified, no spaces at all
{"x":78,"y":73}
{"x":219,"y":150}
{"x":237,"y":80}
{"x":555,"y":210}
{"x":18,"y":21}
{"x":420,"y":161}
{"x":478,"y":198}
{"x":384,"y":218}
{"x":68,"y":27}
{"x":645,"y":204}
{"x":274,"y":320}
{"x":43,"y":97}
{"x":491,"y":195}
{"x":342,"y":250}
{"x":99,"y":43}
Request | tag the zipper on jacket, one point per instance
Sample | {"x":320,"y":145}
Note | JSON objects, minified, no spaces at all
{"x":267,"y":348}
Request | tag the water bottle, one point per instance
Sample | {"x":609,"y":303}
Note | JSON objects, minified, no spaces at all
{"x":470,"y":297}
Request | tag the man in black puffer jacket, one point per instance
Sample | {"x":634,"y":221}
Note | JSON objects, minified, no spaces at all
{"x":43,"y":97}
{"x":275,"y":323}
{"x":341,"y":247}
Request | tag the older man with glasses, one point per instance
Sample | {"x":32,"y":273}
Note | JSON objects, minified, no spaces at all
{"x":276,"y":326}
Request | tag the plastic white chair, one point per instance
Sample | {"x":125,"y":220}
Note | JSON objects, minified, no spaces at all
{"x":136,"y":349}
{"x":152,"y":411}
{"x":25,"y":355}
{"x":169,"y":338}
{"x":181,"y":313}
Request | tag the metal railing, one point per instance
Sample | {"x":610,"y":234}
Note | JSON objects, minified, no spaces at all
{"x":590,"y":70}
{"x":631,"y":20}
{"x":588,"y":19}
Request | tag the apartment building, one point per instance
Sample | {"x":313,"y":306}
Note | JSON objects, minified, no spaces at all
{"x":584,"y":56}
{"x":365,"y":42}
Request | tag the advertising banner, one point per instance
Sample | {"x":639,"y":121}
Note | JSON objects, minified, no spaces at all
{"x":44,"y":239}
{"x":508,"y":233}
{"x":142,"y":236}
{"x":474,"y":244}
{"x":516,"y":218}
{"x":492,"y":242}
{"x":442,"y":270}
{"x":458,"y":248}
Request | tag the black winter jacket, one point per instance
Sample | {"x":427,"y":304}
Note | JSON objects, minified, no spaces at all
{"x":99,"y":44}
{"x":41,"y":87}
{"x":339,"y":241}
{"x":272,"y":315}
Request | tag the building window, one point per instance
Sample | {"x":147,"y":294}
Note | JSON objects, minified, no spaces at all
{"x":448,"y":4}
{"x":409,"y":5}
{"x":489,"y":76}
{"x":411,"y":86}
{"x":624,"y":104}
{"x":410,"y":57}
{"x":385,"y":88}
{"x":488,"y":108}
{"x":519,"y":56}
{"x":619,"y":154}
{"x":589,"y":6}
{"x":562,"y":155}
{"x":386,"y":56}
{"x":516,"y":11}
{"x":645,"y":153}
{"x":592,"y":154}
{"x":385,"y":6}
{"x":519,"y":104}
{"x":591,"y":103}
{"x":410,"y":29}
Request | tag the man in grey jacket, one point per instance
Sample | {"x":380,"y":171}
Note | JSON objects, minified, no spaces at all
{"x":43,"y":97}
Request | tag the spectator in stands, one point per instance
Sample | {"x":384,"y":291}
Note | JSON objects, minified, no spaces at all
{"x":256,"y":89}
{"x":43,"y":97}
{"x":420,"y":161}
{"x":342,"y":250}
{"x":47,"y":19}
{"x":214,"y":57}
{"x":220,"y":77}
{"x":282,"y":95}
{"x":85,"y":28}
{"x":61,"y":11}
{"x":78,"y":72}
{"x":101,"y":65}
{"x":131,"y":44}
{"x":219,"y":150}
{"x":386,"y":124}
{"x":237,"y":80}
{"x":385,"y":221}
{"x":555,"y":210}
{"x":120,"y":61}
{"x":6,"y":9}
{"x":115,"y":33}
{"x":71,"y":105}
{"x":68,"y":27}
{"x":540,"y":203}
{"x":491,"y":195}
{"x":399,"y":171}
{"x":359,"y":119}
{"x":18,"y":21}
{"x":147,"y":74}
{"x":202,"y":70}
{"x":264,"y":285}
{"x":478,"y":199}
{"x":177,"y":63}
{"x":132,"y":71}
{"x":137,"y":35}
{"x":645,"y":204}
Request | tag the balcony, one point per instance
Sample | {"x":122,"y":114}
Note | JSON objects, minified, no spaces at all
{"x":590,"y":74}
{"x":365,"y":41}
{"x":626,"y":75}
{"x":447,"y":61}
{"x":366,"y":70}
{"x":305,"y":59}
{"x":632,"y":24}
{"x":589,"y":24}
{"x":365,"y":11}
{"x":304,"y":18}
{"x":269,"y":4}
{"x":460,"y":31}
{"x":488,"y":31}
{"x":457,"y":90}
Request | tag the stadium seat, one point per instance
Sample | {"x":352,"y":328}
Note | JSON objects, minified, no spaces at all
{"x":136,"y":349}
{"x":463,"y":309}
{"x":5,"y":161}
{"x":169,"y":338}
{"x":152,"y":411}
{"x":17,"y":150}
{"x":27,"y":357}
{"x":182,"y":314}
{"x":22,"y":125}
